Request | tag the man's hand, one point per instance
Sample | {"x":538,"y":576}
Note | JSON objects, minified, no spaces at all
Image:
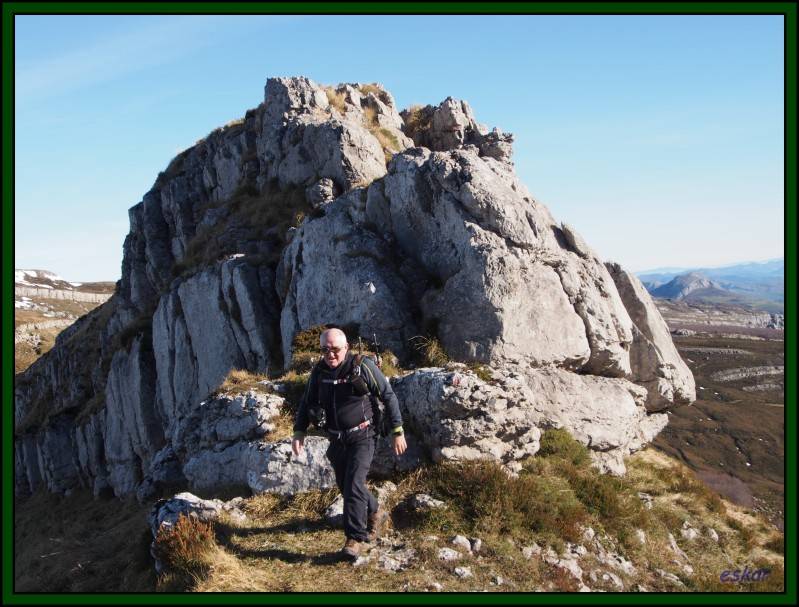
{"x":399,"y":444}
{"x":296,"y":445}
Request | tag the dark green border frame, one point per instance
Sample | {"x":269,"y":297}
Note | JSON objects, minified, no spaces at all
{"x":788,"y":9}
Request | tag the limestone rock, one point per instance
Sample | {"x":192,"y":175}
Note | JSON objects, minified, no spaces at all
{"x":655,"y":362}
{"x":334,"y":514}
{"x":460,"y":541}
{"x":409,"y":238}
{"x":422,"y":502}
{"x":448,"y":554}
{"x":274,"y":468}
{"x":463,"y":572}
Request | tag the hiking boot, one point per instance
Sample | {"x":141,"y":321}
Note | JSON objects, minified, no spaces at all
{"x":352,"y":548}
{"x":375,"y":523}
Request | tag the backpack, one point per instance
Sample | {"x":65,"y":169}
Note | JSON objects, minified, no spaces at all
{"x":360,"y":386}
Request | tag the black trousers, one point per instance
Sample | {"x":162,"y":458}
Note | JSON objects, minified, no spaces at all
{"x":351,"y":456}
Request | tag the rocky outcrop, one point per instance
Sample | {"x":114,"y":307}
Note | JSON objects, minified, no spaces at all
{"x":680,"y":313}
{"x":655,"y":362}
{"x":459,"y":416}
{"x":747,"y":372}
{"x":317,"y":208}
{"x":43,"y":293}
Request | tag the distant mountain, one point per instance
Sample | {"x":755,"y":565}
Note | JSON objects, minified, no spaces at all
{"x":684,"y":285}
{"x":752,"y":282}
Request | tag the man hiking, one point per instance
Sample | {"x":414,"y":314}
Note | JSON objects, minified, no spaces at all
{"x":338,"y":395}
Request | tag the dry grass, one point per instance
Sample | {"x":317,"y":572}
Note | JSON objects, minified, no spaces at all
{"x":429,"y":351}
{"x":388,"y":141}
{"x":260,"y":220}
{"x":417,"y":120}
{"x":285,"y":545}
{"x":241,"y":380}
{"x":81,"y":544}
{"x":336,"y":99}
{"x":375,"y":90}
{"x":188,"y":548}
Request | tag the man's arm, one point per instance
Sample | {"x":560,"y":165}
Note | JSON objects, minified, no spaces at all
{"x":301,"y":420}
{"x":381,"y":387}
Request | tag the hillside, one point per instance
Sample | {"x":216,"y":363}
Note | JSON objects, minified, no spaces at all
{"x":557,"y":527}
{"x":44,"y":305}
{"x":755,"y":285}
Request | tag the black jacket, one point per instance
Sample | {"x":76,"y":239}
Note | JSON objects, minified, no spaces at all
{"x":344,"y":408}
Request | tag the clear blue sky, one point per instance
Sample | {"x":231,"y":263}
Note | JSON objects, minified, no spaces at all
{"x":660,"y":139}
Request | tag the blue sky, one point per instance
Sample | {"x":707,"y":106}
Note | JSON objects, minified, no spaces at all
{"x":659,"y":138}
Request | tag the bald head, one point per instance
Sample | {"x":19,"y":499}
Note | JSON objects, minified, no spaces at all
{"x":334,"y":347}
{"x":336,"y":337}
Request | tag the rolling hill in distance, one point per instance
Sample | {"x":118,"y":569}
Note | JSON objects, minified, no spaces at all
{"x":757,"y":285}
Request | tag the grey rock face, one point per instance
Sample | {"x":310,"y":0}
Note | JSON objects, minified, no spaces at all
{"x":334,"y":255}
{"x":459,"y":416}
{"x":133,"y":429}
{"x":441,"y":239}
{"x":655,"y":362}
{"x":451,"y":125}
{"x":215,"y":321}
{"x":274,"y":468}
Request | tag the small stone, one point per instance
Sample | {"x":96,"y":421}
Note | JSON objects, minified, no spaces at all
{"x":435,"y":586}
{"x":529,"y":551}
{"x":476,"y":543}
{"x":463,"y":572}
{"x":448,"y":554}
{"x":639,"y":533}
{"x":669,"y":577}
{"x":335,"y":511}
{"x":361,"y":561}
{"x":711,"y":533}
{"x":613,"y":578}
{"x":422,"y":501}
{"x":688,"y":532}
{"x":588,"y":534}
{"x":497,"y":580}
{"x":462,"y":542}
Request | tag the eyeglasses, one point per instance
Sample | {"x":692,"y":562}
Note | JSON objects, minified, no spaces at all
{"x":326,"y":350}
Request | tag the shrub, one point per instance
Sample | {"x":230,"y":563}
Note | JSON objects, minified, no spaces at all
{"x":429,"y":351}
{"x":335,"y":99}
{"x":558,"y":443}
{"x":417,"y":120}
{"x":188,"y":547}
{"x":776,"y":544}
{"x":241,"y":380}
{"x":375,"y":90}
{"x":482,"y":498}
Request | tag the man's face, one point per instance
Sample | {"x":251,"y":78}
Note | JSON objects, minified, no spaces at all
{"x":334,"y":349}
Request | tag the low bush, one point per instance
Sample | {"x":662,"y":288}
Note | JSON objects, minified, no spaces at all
{"x":429,"y":351}
{"x":484,"y":499}
{"x":558,"y":443}
{"x":188,"y":547}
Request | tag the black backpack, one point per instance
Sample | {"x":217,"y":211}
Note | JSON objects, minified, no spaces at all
{"x":317,"y":413}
